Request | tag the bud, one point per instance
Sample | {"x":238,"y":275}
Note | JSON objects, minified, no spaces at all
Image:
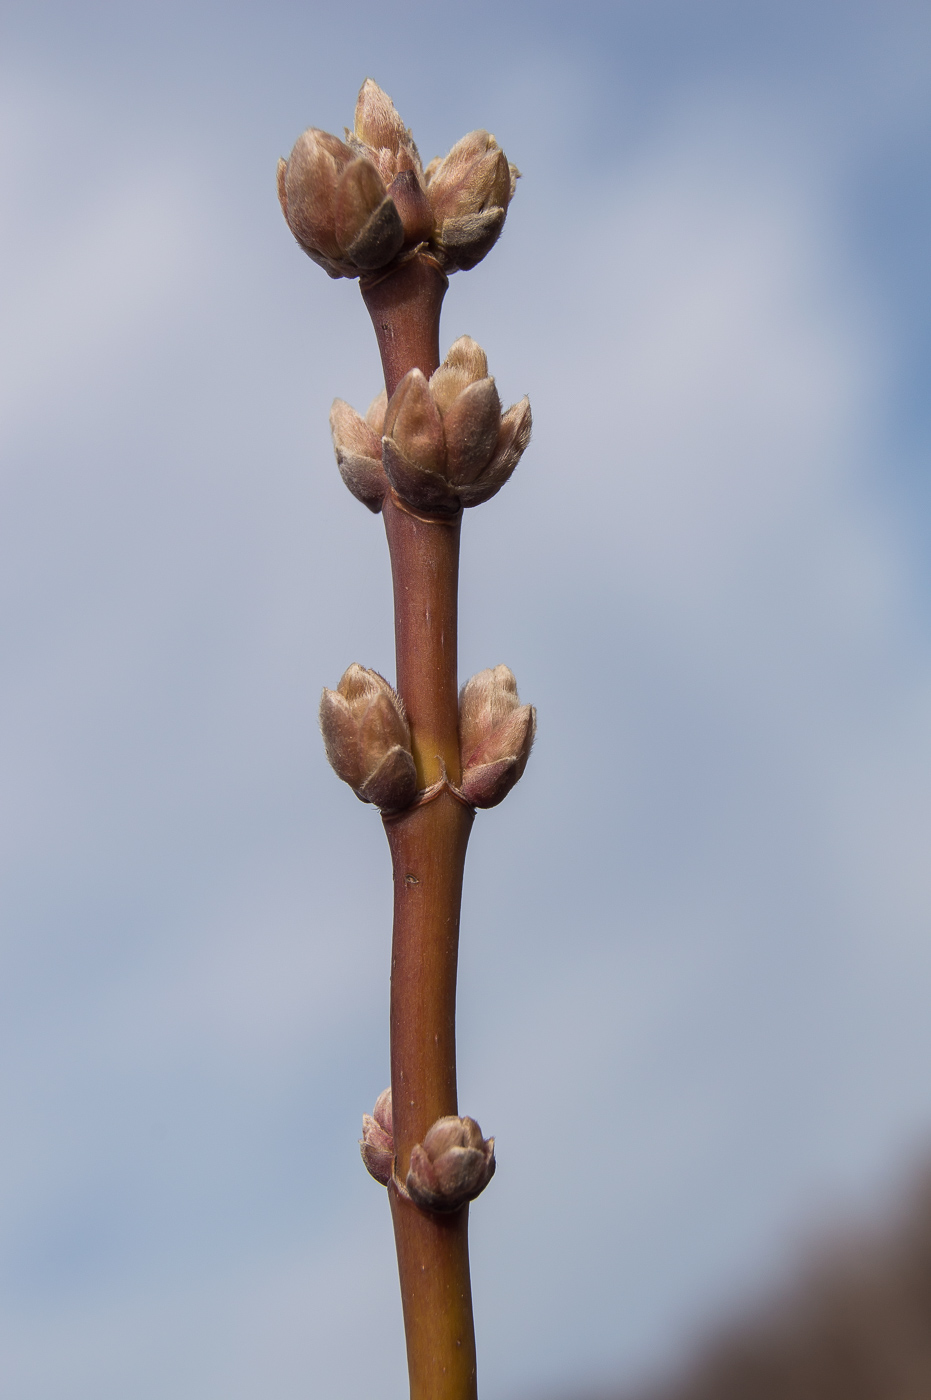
{"x":307,"y":186}
{"x":377,"y":123}
{"x":465,"y":363}
{"x":367,"y":225}
{"x":496,"y":735}
{"x":452,"y":1165}
{"x":381,"y":137}
{"x":336,"y":205}
{"x":367,"y":739}
{"x":513,"y":438}
{"x":470,"y":191}
{"x":413,"y":206}
{"x":446,"y":443}
{"x":357,"y":443}
{"x":471,"y":426}
{"x":377,"y":1142}
{"x":364,"y":204}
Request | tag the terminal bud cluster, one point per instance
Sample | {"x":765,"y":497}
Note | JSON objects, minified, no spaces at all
{"x":366,"y":204}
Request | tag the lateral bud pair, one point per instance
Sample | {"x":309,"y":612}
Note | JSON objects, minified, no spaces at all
{"x":363,"y":204}
{"x":368,"y":739}
{"x":452,"y":1165}
{"x":496,"y":734}
{"x":445,"y":442}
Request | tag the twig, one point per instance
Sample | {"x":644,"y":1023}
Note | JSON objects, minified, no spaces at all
{"x":434,"y":443}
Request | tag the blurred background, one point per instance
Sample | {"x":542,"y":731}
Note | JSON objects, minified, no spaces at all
{"x":695,"y":953}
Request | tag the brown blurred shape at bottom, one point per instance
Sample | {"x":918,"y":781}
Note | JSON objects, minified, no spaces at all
{"x":855,"y":1324}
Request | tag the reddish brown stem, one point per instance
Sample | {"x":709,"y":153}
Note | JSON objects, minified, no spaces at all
{"x":405,"y":311}
{"x":436,"y":1295}
{"x":428,"y":848}
{"x":425,"y":575}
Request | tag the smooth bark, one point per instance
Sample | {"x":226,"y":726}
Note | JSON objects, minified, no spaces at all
{"x":428,"y":848}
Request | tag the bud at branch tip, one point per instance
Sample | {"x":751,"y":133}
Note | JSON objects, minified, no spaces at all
{"x":366,"y":204}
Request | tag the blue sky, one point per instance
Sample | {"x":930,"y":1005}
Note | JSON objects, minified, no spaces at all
{"x":696,"y":938}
